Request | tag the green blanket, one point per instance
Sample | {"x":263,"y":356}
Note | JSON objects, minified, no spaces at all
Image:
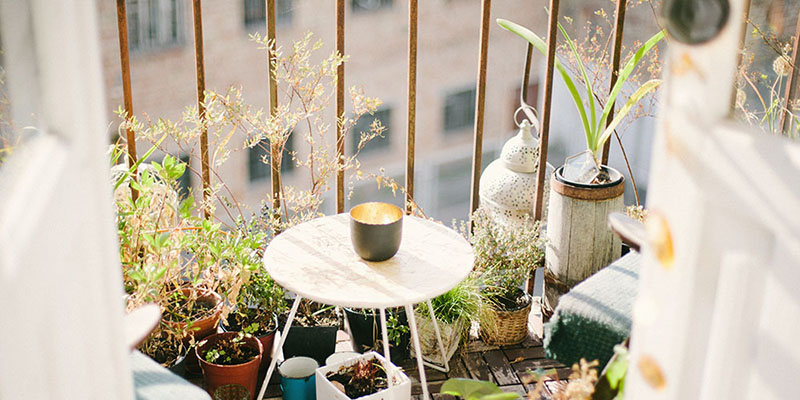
{"x":595,"y":315}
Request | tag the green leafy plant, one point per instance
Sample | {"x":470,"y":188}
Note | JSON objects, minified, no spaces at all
{"x":505,"y":256}
{"x":594,"y":128}
{"x":260,"y":300}
{"x":395,"y":329}
{"x":470,"y":389}
{"x":230,"y":352}
{"x":463,"y":304}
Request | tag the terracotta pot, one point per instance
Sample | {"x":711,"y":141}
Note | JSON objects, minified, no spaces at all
{"x":215,"y":375}
{"x":266,"y":340}
{"x":200,"y":328}
{"x":206,"y":326}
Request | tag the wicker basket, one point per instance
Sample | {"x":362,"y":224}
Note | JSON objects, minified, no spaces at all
{"x":512,"y":327}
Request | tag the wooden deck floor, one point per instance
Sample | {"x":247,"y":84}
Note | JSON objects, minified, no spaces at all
{"x":505,"y":366}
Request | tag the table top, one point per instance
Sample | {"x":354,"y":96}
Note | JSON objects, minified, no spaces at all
{"x":316,"y":260}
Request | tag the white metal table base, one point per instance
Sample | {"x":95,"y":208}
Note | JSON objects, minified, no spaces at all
{"x":412,"y":325}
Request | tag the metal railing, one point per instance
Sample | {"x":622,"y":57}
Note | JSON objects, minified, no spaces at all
{"x":486,"y":22}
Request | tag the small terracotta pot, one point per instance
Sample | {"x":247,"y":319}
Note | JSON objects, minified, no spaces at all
{"x":200,"y":328}
{"x":266,"y":340}
{"x":215,"y":375}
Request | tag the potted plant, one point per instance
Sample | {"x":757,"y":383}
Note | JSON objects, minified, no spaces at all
{"x":313,"y":332}
{"x":583,"y":192}
{"x":172,"y":257}
{"x":256,"y":311}
{"x":365,"y":331}
{"x":363,"y":378}
{"x":260,"y":300}
{"x":454,"y":311}
{"x":230,"y":358}
{"x":505,"y":256}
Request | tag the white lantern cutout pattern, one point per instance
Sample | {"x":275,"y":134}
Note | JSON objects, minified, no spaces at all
{"x":508,"y":184}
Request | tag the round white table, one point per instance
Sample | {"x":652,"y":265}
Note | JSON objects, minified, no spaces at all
{"x":316,"y":260}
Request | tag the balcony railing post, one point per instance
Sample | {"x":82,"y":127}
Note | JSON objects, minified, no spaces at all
{"x":412,"y":101}
{"x":125,"y":66}
{"x":526,"y":74}
{"x":201,"y":108}
{"x":616,"y":52}
{"x":547,"y":104}
{"x":480,"y":100}
{"x":274,"y":149}
{"x":791,"y":82}
{"x":340,"y":9}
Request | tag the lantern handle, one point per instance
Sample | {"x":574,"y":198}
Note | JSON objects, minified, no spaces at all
{"x":532,"y":117}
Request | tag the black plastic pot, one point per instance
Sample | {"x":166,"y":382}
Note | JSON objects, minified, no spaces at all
{"x":365,"y":332}
{"x":317,"y":342}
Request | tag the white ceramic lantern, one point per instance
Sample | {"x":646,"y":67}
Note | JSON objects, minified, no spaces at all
{"x":508,"y":185}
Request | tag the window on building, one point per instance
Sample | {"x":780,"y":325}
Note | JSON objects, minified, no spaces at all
{"x":255,"y":13}
{"x":258,"y":160}
{"x":369,"y":5}
{"x":459,"y":110}
{"x":453,"y":180}
{"x":154,"y":24}
{"x":364,"y":125}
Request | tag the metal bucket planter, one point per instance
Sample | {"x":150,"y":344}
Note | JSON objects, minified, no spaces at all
{"x":579,"y":241}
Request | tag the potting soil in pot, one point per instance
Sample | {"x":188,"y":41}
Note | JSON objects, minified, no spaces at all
{"x":313,"y":332}
{"x":361,"y":379}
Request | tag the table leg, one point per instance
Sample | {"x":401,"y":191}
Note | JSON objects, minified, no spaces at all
{"x":445,"y":361}
{"x":386,"y":354}
{"x":274,"y":359}
{"x":412,"y":324}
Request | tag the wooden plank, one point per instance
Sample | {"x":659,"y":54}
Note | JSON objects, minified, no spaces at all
{"x":500,"y":367}
{"x":430,"y":373}
{"x":603,"y":237}
{"x":477,"y":367}
{"x":433,"y":386}
{"x":475,"y":346}
{"x":580,"y":242}
{"x":519,"y":389}
{"x":531,"y":353}
{"x":457,"y":368}
{"x":524,"y":366}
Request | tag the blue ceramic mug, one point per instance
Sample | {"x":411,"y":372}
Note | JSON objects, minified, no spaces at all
{"x":297,"y":378}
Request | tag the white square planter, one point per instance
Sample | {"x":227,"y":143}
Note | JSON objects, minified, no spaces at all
{"x":401,"y":390}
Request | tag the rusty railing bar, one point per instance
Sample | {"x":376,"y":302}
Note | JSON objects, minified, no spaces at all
{"x":616,"y":51}
{"x":742,"y":41}
{"x":412,"y":102}
{"x":526,"y":77}
{"x":201,"y":108}
{"x":125,"y":66}
{"x":480,"y":100}
{"x":791,"y":81}
{"x":274,"y":149}
{"x":340,"y":9}
{"x":546,"y":106}
{"x":526,"y":73}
